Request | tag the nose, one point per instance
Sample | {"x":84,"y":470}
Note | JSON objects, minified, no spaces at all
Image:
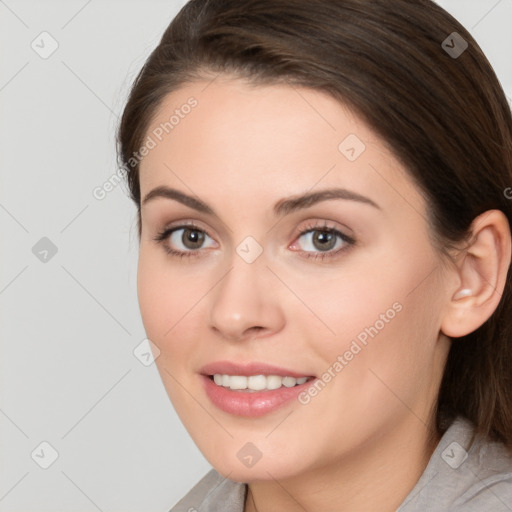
{"x":245,"y":303}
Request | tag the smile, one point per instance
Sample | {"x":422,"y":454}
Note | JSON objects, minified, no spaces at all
{"x":253,"y":383}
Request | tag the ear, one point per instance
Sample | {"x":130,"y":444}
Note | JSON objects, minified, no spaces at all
{"x":481,"y":270}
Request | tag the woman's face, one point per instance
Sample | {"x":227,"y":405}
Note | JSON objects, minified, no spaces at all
{"x":343,"y":288}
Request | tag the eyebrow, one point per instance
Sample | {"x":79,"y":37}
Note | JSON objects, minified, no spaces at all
{"x":282,"y":207}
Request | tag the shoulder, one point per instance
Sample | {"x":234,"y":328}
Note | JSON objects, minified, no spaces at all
{"x":460,"y":478}
{"x":213,"y":493}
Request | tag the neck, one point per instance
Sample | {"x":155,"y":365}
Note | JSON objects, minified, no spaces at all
{"x":378,"y":477}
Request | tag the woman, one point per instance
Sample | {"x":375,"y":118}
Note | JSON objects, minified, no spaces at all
{"x":324,"y":253}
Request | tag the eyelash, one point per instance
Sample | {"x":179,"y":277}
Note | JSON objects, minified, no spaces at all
{"x":349,"y":241}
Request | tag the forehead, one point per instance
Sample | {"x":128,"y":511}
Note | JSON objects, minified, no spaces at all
{"x":226,"y":136}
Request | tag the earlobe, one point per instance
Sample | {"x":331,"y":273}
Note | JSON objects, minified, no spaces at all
{"x":482,"y":271}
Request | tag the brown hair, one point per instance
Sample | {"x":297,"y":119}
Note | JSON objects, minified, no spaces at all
{"x":445,"y":117}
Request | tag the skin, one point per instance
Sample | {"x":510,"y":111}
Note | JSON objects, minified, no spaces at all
{"x":363,"y":442}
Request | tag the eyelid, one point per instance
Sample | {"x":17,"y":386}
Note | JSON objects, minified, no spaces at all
{"x":325,"y":225}
{"x":193,"y":224}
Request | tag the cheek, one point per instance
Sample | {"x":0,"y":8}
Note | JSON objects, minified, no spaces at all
{"x":167,"y":305}
{"x":383,"y":316}
{"x":154,"y":300}
{"x":171,"y":301}
{"x":165,"y":295}
{"x":390,"y":348}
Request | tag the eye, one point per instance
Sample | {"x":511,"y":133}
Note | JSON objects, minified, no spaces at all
{"x":314,"y":241}
{"x":322,"y":241}
{"x":184,"y":240}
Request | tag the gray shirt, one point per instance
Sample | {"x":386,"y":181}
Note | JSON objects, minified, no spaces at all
{"x":453,"y":481}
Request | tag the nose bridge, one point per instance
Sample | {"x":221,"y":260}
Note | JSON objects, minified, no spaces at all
{"x":242,"y":300}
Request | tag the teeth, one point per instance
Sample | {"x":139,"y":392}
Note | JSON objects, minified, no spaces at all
{"x":238,"y":382}
{"x":289,"y":382}
{"x":274,"y":382}
{"x":256,"y":382}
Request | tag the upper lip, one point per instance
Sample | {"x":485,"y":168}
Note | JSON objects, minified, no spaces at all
{"x":247,"y":369}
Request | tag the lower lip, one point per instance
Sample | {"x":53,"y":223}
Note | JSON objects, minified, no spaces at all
{"x":251,"y":404}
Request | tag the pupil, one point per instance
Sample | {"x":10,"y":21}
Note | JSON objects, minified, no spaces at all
{"x":325,"y":239}
{"x":192,"y":239}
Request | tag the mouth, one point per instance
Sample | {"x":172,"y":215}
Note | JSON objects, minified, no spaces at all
{"x":252,"y":389}
{"x":255,"y":383}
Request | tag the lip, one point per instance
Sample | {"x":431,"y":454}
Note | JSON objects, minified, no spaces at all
{"x":250,"y":404}
{"x":252,"y":368}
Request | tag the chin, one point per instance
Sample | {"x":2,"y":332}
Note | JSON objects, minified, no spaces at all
{"x":243,"y":462}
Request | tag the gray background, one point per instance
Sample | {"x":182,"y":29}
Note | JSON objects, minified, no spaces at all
{"x":70,"y":321}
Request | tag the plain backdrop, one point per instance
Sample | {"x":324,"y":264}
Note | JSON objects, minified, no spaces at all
{"x":74,"y":396}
